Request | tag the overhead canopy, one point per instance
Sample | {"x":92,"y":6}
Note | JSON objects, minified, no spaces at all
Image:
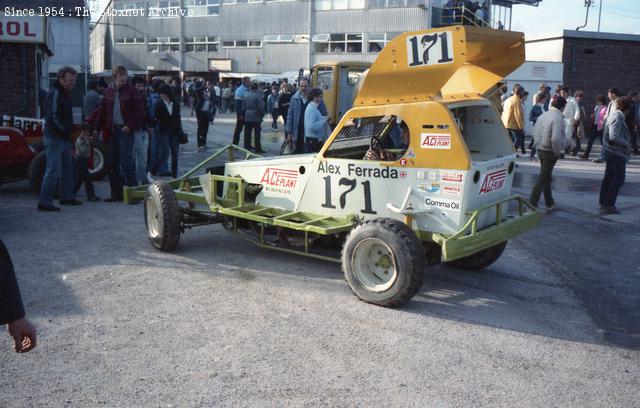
{"x":445,"y":63}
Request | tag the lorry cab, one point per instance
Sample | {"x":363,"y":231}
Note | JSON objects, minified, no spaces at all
{"x":339,"y":83}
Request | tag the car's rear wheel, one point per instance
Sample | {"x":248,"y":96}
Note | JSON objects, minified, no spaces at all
{"x":98,"y":165}
{"x":383,"y":261}
{"x":36,"y":170}
{"x":162,"y":216}
{"x":481,"y":259}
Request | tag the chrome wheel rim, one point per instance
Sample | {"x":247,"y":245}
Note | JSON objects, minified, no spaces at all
{"x":98,"y":161}
{"x":374,"y":265}
{"x":153,"y":224}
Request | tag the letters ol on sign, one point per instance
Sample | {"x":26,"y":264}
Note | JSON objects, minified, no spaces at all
{"x":430,"y":49}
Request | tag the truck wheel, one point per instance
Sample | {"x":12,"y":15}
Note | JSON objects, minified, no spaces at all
{"x":383,"y":261}
{"x":162,"y":216}
{"x":479,"y":260}
{"x":36,"y":170}
{"x":99,"y":168}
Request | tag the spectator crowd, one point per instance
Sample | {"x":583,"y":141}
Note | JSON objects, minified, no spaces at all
{"x":140,"y":123}
{"x":561,"y":125}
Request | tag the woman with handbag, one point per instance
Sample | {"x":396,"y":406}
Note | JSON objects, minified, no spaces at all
{"x":170,"y":134}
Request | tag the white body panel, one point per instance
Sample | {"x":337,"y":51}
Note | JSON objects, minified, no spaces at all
{"x":367,"y":189}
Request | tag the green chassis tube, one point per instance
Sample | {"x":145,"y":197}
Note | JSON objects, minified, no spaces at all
{"x":467,"y":241}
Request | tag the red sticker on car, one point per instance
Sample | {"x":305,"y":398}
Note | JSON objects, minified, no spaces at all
{"x":493,"y":181}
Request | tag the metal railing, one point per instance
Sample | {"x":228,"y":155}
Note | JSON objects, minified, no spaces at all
{"x":461,"y":15}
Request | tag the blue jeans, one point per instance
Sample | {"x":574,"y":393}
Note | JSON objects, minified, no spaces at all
{"x":155,"y":151}
{"x":613,"y":178}
{"x":517,"y":137}
{"x":167,"y":144}
{"x":122,"y":169}
{"x":59,"y":169}
{"x":174,"y":145}
{"x":140,"y":153}
{"x":161,"y":140}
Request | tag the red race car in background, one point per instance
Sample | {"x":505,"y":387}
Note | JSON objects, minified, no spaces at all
{"x":22,"y":152}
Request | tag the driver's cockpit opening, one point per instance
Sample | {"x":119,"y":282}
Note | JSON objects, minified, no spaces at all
{"x":380,"y":138}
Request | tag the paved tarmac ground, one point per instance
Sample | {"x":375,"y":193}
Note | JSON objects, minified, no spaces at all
{"x":554,"y":323}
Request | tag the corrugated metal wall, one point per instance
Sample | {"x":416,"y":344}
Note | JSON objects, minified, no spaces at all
{"x":371,"y":21}
{"x":253,"y":22}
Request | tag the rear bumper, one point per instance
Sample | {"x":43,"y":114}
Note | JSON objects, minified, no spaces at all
{"x":468,"y":240}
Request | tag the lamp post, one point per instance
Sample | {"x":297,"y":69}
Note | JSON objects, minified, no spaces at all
{"x":600,"y":15}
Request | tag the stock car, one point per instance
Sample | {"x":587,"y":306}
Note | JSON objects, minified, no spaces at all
{"x":418,"y":171}
{"x":22,"y":152}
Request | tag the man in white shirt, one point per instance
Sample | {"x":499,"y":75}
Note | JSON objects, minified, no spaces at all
{"x":218,"y":92}
{"x":571,"y":115}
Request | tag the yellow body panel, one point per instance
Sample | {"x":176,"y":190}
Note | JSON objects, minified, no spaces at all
{"x":421,"y":117}
{"x":478,"y":58}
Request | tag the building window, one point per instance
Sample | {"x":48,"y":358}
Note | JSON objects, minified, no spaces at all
{"x":338,"y":43}
{"x":164,"y":9}
{"x":324,"y":5}
{"x":394,"y":3}
{"x":282,"y":38}
{"x":377,"y":41}
{"x":235,"y":1}
{"x":201,"y":44}
{"x":129,"y":6}
{"x":164,"y":44}
{"x":130,"y":40}
{"x":199,"y":8}
{"x":242,"y":44}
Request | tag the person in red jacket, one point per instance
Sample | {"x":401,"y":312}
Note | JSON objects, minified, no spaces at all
{"x":122,"y":112}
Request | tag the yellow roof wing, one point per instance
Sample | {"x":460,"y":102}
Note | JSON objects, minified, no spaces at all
{"x":449,"y":62}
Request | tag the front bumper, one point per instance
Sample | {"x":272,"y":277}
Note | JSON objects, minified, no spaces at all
{"x":468,"y":240}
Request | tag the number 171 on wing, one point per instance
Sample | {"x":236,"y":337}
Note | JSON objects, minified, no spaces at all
{"x":430,"y":49}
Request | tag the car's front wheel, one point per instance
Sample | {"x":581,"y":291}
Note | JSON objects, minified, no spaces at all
{"x":162,"y":216}
{"x":383,"y":261}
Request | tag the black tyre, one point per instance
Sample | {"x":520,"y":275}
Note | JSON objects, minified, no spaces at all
{"x":99,"y":165}
{"x":162,"y":216}
{"x":479,"y":260}
{"x":383,"y":261}
{"x":36,"y":170}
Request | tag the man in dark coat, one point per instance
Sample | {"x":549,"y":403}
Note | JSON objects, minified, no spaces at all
{"x":58,"y":127}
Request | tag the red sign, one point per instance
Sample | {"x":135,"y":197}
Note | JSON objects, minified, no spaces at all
{"x":493,"y":181}
{"x":22,"y":29}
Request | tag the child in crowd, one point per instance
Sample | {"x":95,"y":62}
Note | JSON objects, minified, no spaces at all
{"x":82,"y":157}
{"x":272,"y":107}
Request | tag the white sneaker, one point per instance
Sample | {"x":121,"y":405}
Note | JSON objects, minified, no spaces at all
{"x":150,"y":177}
